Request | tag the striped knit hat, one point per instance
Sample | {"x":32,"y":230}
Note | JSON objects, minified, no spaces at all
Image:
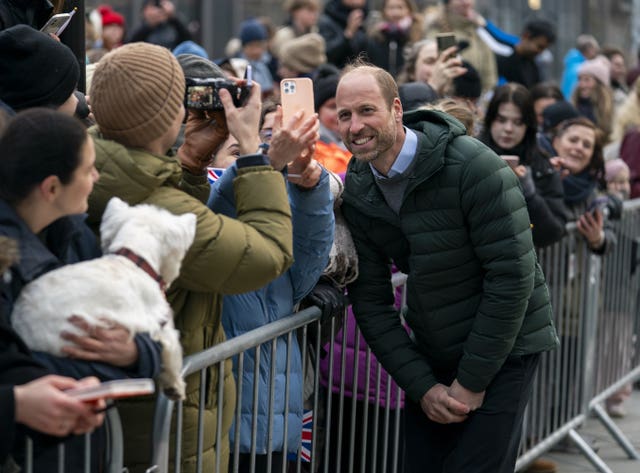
{"x":136,"y":93}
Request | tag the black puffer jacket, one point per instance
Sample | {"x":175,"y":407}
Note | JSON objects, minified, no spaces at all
{"x":476,"y":294}
{"x":331,"y":25}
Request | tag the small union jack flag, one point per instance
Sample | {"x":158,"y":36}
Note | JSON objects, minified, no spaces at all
{"x":213,"y":174}
{"x":307,"y":438}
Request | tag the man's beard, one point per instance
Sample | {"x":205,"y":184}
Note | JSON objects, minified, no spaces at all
{"x":385,"y":139}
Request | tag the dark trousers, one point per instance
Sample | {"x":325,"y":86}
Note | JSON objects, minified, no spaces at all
{"x":487,"y":442}
{"x":244,"y":463}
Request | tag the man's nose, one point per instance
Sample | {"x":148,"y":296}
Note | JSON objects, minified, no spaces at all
{"x":356,"y":124}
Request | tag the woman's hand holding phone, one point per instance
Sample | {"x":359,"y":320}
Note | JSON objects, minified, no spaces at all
{"x":591,"y":226}
{"x":447,"y":67}
{"x":294,"y":139}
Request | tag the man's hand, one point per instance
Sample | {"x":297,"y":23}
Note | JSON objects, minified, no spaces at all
{"x":442,"y":408}
{"x":112,"y":344}
{"x":243,"y":122}
{"x":468,"y":398}
{"x":43,"y":406}
{"x":203,"y":135}
{"x":294,"y":140}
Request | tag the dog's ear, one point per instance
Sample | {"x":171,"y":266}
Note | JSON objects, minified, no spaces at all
{"x":114,"y":216}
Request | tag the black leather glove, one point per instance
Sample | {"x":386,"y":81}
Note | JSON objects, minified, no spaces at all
{"x":330,"y":299}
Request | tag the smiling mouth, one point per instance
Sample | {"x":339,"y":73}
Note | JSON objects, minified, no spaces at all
{"x":361,"y":141}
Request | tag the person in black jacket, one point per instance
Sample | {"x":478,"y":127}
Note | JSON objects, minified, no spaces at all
{"x":398,"y":26}
{"x":521,"y":66}
{"x":510,"y":130}
{"x":160,"y":25}
{"x":342,"y":27}
{"x":34,"y":13}
{"x":46,"y":174}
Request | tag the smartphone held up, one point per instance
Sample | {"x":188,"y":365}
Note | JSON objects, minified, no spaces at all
{"x":296,"y":94}
{"x":512,"y":160}
{"x":445,"y":41}
{"x":58,"y":23}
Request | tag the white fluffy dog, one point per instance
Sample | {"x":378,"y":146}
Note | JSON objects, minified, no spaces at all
{"x":127,"y":288}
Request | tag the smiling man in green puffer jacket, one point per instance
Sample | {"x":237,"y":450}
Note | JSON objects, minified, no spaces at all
{"x":448,"y":212}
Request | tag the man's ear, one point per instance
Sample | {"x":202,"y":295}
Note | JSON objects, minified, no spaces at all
{"x":49,"y":187}
{"x":397,"y":110}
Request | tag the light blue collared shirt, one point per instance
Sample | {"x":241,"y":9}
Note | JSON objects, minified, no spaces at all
{"x":405,"y":157}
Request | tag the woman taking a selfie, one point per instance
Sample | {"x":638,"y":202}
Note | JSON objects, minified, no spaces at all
{"x":510,"y":131}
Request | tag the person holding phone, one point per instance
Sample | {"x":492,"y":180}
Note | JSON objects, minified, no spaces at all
{"x":578,"y":146}
{"x":37,"y":71}
{"x":438,"y":69}
{"x":510,"y":129}
{"x":458,"y":17}
{"x":137,"y":95}
{"x":46,"y":174}
{"x":444,"y":208}
{"x":29,"y":395}
{"x":579,"y":158}
{"x":33,"y":13}
{"x":313,"y":228}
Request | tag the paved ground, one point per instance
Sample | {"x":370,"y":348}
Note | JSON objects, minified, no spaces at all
{"x":609,"y":450}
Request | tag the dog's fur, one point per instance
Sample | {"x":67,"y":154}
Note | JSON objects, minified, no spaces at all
{"x":113,"y":288}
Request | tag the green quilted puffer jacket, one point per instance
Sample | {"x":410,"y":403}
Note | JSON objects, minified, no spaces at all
{"x":476,"y":293}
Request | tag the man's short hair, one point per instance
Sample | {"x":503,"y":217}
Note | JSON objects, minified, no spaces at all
{"x":386,"y":82}
{"x":537,"y":27}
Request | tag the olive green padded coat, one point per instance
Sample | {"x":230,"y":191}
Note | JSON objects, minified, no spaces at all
{"x":228,"y":256}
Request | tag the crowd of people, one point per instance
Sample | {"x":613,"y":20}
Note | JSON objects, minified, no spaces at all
{"x":453,"y":166}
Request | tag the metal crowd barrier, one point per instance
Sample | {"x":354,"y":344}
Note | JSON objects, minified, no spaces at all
{"x":595,"y":301}
{"x":110,"y":462}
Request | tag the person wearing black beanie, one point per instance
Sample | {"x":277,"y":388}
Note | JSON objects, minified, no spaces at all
{"x":325,"y":83}
{"x":37,"y":71}
{"x":415,"y":94}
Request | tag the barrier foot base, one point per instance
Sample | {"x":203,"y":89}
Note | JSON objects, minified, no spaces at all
{"x":615,"y":432}
{"x":588,"y":452}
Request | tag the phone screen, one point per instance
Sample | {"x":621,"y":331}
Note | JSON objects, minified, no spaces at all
{"x":296,"y":94}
